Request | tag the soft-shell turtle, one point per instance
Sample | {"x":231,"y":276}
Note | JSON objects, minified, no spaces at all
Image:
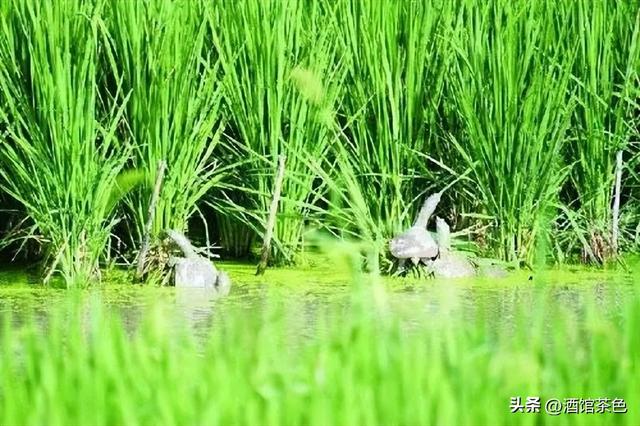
{"x":416,"y":243}
{"x":194,"y":271}
{"x":449,"y":264}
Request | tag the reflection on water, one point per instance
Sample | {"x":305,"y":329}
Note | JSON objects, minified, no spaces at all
{"x":500,"y":304}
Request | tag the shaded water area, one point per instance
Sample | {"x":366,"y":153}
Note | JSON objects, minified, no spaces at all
{"x":309,"y":296}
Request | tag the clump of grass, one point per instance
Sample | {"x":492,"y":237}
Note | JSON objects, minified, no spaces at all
{"x":605,"y":81}
{"x":511,"y":93}
{"x":280,"y":73}
{"x":58,"y":153}
{"x":161,"y":51}
{"x":396,"y":58}
{"x":372,"y":104}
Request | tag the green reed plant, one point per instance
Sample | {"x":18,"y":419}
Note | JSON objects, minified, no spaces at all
{"x":161,"y":51}
{"x":58,"y":153}
{"x":396,"y":56}
{"x":630,"y":214}
{"x":374,"y":104}
{"x":605,"y":81}
{"x":511,"y":92}
{"x":280,"y":79}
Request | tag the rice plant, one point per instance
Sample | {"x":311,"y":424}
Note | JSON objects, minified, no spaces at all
{"x":280,"y":77}
{"x":162,"y":52}
{"x":397,"y":55}
{"x":58,"y":154}
{"x":511,"y":92}
{"x":605,"y":81}
{"x":373,"y":104}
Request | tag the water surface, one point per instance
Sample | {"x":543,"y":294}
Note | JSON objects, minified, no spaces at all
{"x":308,"y":295}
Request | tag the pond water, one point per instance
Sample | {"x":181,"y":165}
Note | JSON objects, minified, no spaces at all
{"x":310,"y":293}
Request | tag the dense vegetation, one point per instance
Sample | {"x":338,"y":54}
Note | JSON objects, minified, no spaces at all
{"x":373,"y":104}
{"x":274,"y":365}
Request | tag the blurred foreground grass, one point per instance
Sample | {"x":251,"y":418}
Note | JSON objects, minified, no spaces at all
{"x":359,"y":365}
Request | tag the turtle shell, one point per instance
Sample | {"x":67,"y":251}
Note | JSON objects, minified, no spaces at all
{"x":452,"y":265}
{"x":414,"y":243}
